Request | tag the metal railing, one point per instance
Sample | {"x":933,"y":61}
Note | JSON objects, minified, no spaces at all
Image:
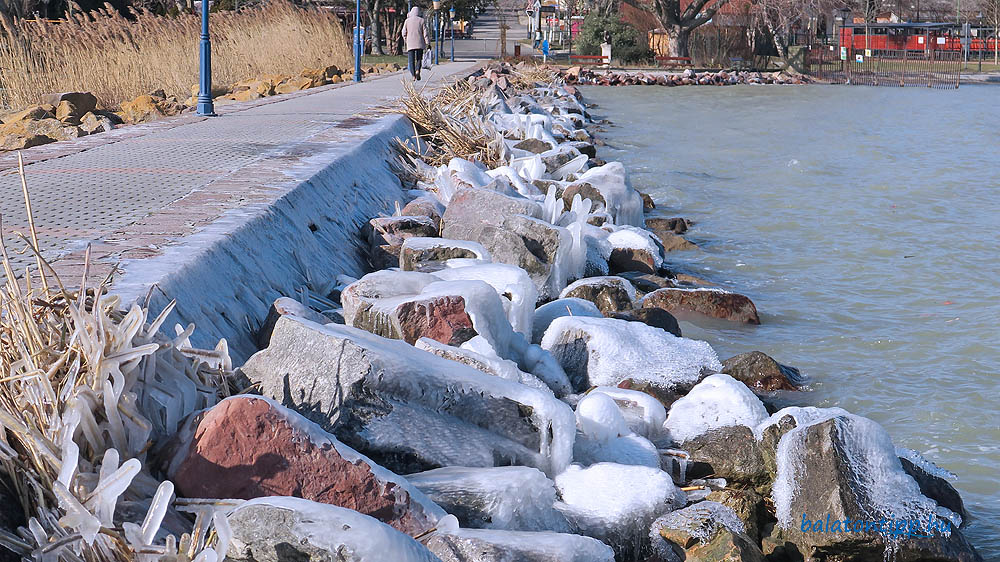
{"x":886,"y":67}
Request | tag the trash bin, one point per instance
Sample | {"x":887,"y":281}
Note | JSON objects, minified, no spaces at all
{"x":517,"y":50}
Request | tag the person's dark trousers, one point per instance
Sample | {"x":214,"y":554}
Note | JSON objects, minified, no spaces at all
{"x":414,"y":58}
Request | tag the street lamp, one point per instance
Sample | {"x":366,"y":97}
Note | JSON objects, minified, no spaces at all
{"x":437,"y":31}
{"x":357,"y":41}
{"x":451,"y":14}
{"x":205,"y":105}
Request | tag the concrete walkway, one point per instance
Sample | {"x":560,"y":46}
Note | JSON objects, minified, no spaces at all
{"x":136,"y":189}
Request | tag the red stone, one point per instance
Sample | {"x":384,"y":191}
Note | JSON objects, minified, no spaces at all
{"x":246,"y":447}
{"x":441,"y":319}
{"x":713,"y":303}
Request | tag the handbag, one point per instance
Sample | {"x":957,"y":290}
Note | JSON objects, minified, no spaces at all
{"x":428,"y":59}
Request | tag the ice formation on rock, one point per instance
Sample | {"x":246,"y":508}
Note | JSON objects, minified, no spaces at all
{"x":623,"y":203}
{"x":509,"y":281}
{"x":644,"y":414}
{"x":605,"y":351}
{"x":635,"y":238}
{"x":545,"y":314}
{"x":513,"y":498}
{"x":718,"y":401}
{"x":616,"y":503}
{"x":480,"y":545}
{"x":700,"y":521}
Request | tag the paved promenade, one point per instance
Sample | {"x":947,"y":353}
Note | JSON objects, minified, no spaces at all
{"x":134,"y":190}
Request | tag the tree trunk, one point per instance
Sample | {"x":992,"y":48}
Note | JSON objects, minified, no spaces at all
{"x":376,"y":23}
{"x":503,"y":40}
{"x":678,"y":38}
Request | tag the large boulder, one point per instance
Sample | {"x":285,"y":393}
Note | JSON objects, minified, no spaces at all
{"x":281,"y":529}
{"x":249,"y":447}
{"x":729,"y":452}
{"x":495,"y":366}
{"x":713,"y":303}
{"x":610,"y":294}
{"x":607,"y":351}
{"x":283,"y":306}
{"x":677,"y":225}
{"x":478,"y":545}
{"x":841,"y":494}
{"x":656,"y":317}
{"x":645,"y":283}
{"x":718,"y":401}
{"x":470,"y":210}
{"x":545,"y":314}
{"x":396,"y":229}
{"x":511,"y":498}
{"x":80,"y":102}
{"x":761,"y":372}
{"x":933,"y":483}
{"x":634,"y":249}
{"x":92,"y":123}
{"x":704,"y":532}
{"x":407,"y":409}
{"x":32,"y":113}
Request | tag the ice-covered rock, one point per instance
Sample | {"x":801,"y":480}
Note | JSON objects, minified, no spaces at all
{"x":634,"y":249}
{"x":730,"y":452}
{"x":703,"y":532}
{"x":408,"y":409}
{"x":643,"y":414}
{"x":428,"y":254}
{"x":598,"y":417}
{"x":280,"y":307}
{"x":747,"y":504}
{"x":846,"y":466}
{"x":479,"y":545}
{"x":471,"y":210}
{"x":440,"y":311}
{"x":610,"y":294}
{"x":622,"y":202}
{"x":605,"y":351}
{"x":490,"y":364}
{"x":510,"y":282}
{"x":277,"y":529}
{"x":617,"y":503}
{"x":933,"y":481}
{"x":718,"y":401}
{"x":425,"y":206}
{"x":605,"y":437}
{"x":248,"y":447}
{"x":545,"y":314}
{"x":713,"y":303}
{"x":512,"y":498}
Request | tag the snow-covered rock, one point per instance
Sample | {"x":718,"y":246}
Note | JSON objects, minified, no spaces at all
{"x":410,"y":409}
{"x":643,"y":414}
{"x":611,"y":294}
{"x":718,"y":401}
{"x":545,"y":314}
{"x":622,"y":202}
{"x":490,"y":364}
{"x":512,"y":498}
{"x":479,"y":545}
{"x":617,"y":503}
{"x":605,"y":351}
{"x":429,"y":254}
{"x":634,"y":249}
{"x":275,"y":529}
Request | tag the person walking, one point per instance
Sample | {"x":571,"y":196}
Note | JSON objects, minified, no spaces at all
{"x":416,"y":38}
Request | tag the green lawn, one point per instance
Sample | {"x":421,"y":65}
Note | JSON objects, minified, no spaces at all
{"x":374,"y":59}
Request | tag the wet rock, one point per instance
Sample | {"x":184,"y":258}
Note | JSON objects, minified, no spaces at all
{"x":533,"y":145}
{"x":845,"y":475}
{"x":647,"y":202}
{"x":384,"y":256}
{"x":646,"y":282}
{"x":677,"y":225}
{"x":632,"y":259}
{"x":760,"y":372}
{"x":585,"y":148}
{"x":936,"y":488}
{"x":407,"y":409}
{"x":281,"y":529}
{"x":714,"y":303}
{"x":703,"y":532}
{"x":674,"y":243}
{"x":730,"y":452}
{"x":429,"y":254}
{"x":477,"y":545}
{"x":610,"y":294}
{"x":249,"y":447}
{"x":283,"y":306}
{"x":656,"y":317}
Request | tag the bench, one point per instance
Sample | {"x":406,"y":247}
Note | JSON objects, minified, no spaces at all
{"x":674,"y":61}
{"x":589,"y":59}
{"x":738,"y":63}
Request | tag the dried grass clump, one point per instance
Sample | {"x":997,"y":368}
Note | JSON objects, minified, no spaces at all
{"x":85,"y":392}
{"x":117,"y":59}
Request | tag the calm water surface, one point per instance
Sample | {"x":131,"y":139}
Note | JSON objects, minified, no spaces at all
{"x":865,"y":225}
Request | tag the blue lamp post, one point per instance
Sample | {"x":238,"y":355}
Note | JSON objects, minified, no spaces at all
{"x":437,"y":31}
{"x":205,"y":105}
{"x":451,"y":20}
{"x":357,"y":41}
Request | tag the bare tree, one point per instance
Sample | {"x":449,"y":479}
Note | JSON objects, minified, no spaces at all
{"x":991,"y":15}
{"x":779,"y":17}
{"x":679,"y":24}
{"x":505,"y":10}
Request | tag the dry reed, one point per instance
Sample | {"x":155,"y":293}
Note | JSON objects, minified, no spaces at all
{"x":85,"y":392}
{"x":118,"y":59}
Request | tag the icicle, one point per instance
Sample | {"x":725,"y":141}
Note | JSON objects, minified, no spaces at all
{"x":157,"y":510}
{"x":105,"y":495}
{"x":224,"y":534}
{"x":77,"y":517}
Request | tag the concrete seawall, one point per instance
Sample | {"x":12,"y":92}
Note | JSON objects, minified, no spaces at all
{"x":303,"y":233}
